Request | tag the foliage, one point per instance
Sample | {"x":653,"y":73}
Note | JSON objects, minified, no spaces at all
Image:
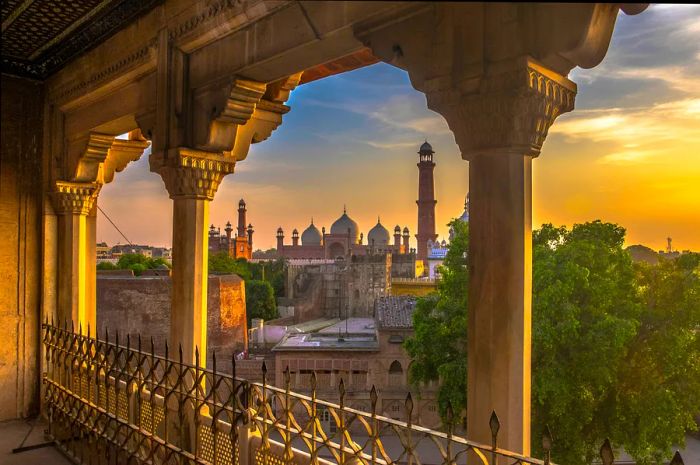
{"x":107,"y":266}
{"x":221,"y":263}
{"x":438,"y":346}
{"x":585,"y":314}
{"x":260,"y":300}
{"x":134,"y":261}
{"x":616,"y":351}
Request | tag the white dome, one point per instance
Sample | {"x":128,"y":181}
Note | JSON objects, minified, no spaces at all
{"x":342,"y":224}
{"x":311,"y":235}
{"x":378,"y":236}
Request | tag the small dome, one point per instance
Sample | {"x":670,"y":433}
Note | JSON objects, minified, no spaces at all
{"x":405,"y":230}
{"x":465,"y":214}
{"x":279,"y":230}
{"x":397,"y":229}
{"x":378,"y":236}
{"x":241,"y":203}
{"x":426,"y":147}
{"x":342,"y":224}
{"x":311,"y":235}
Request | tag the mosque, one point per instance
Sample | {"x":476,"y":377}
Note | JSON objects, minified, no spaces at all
{"x":345,"y":239}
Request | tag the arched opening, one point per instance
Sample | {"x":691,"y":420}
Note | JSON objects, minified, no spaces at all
{"x":396,"y":377}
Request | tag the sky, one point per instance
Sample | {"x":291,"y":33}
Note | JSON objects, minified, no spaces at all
{"x":629,"y":153}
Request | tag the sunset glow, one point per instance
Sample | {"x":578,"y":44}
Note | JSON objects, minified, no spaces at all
{"x":629,"y":153}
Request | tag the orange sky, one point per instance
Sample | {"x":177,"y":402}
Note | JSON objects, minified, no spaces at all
{"x":629,"y":153}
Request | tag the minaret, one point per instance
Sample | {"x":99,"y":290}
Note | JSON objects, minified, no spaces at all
{"x":280,"y":240}
{"x":426,"y":201}
{"x":397,"y":237}
{"x":241,"y":219}
{"x":250,"y":235}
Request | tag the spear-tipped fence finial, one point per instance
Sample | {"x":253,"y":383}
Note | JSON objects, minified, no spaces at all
{"x":606,"y":453}
{"x":677,"y":459}
{"x":495,"y":425}
{"x":547,"y":442}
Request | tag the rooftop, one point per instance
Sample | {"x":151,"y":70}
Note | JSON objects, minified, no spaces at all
{"x":357,"y":334}
{"x":395,"y":312}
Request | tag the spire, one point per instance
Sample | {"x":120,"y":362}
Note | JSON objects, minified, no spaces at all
{"x":312,"y":220}
{"x":345,"y":210}
{"x":378,"y":220}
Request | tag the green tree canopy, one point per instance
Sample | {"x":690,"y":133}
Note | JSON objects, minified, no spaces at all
{"x":616,"y":348}
{"x":438,"y":346}
{"x":136,"y":262}
{"x":260,"y":300}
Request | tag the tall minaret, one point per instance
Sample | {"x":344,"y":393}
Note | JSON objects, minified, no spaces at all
{"x":426,"y":201}
{"x":241,"y":218}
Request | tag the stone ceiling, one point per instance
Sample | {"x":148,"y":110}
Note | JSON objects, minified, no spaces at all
{"x":40,"y":36}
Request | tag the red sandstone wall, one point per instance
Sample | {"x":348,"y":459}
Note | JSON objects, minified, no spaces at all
{"x":141,"y":305}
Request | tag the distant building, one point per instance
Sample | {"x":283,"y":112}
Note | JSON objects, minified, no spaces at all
{"x":344,"y":240}
{"x":363,"y":352}
{"x":238,"y":246}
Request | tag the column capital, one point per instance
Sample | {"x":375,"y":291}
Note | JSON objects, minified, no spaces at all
{"x":511,"y":107}
{"x":75,"y":198}
{"x":189,"y":173}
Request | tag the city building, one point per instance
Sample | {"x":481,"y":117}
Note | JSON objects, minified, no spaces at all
{"x":364,"y":352}
{"x":238,"y":246}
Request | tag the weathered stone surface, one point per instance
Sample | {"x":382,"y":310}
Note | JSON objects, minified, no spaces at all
{"x":141,"y":306}
{"x":20,"y":248}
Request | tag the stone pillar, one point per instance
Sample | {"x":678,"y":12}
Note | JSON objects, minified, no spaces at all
{"x":500,"y":124}
{"x":191,"y":178}
{"x":73,"y":203}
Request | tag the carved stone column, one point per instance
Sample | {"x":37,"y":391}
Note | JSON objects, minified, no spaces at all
{"x":191,"y":178}
{"x":73,"y":202}
{"x":500,"y":122}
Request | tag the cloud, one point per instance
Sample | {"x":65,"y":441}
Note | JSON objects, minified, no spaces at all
{"x":638,"y":135}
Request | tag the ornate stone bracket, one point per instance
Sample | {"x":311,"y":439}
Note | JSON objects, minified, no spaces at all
{"x":511,"y":109}
{"x":92,"y":157}
{"x":75,"y":198}
{"x":189,"y":173}
{"x":251,"y":112}
{"x":235,"y":111}
{"x":121,"y":154}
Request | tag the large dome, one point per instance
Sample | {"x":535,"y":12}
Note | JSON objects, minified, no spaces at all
{"x":378,"y":236}
{"x":342,"y":225}
{"x":311,"y":235}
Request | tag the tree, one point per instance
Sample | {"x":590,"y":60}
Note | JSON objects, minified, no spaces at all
{"x":439,"y":344}
{"x":616,"y":347}
{"x":260,"y":300}
{"x":221,"y":263}
{"x":585,"y":314}
{"x":138,"y":263}
{"x":107,"y":266}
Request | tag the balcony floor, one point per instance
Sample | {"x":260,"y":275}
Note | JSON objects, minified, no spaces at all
{"x":11,"y":435}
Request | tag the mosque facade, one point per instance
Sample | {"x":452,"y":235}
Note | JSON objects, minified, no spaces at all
{"x":343,"y":240}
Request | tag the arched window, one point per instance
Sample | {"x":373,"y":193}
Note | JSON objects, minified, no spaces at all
{"x":395,"y":374}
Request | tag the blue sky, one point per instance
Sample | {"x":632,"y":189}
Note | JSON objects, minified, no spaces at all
{"x":629,"y":153}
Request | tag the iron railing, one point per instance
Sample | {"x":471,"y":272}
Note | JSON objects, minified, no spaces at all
{"x":107,"y":402}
